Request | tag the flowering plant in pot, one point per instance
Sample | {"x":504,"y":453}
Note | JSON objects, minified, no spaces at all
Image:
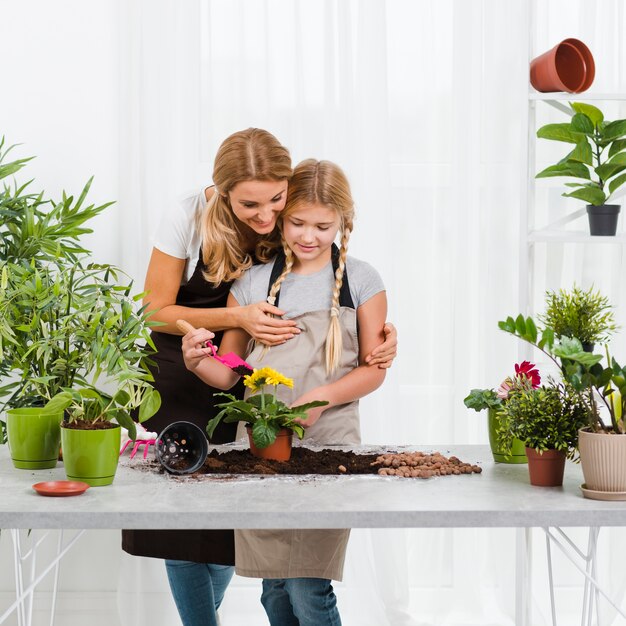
{"x":547,"y":420}
{"x":526,"y":377}
{"x":267,"y":418}
{"x":598,"y":160}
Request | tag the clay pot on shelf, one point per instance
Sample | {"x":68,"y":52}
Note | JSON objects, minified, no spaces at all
{"x":546,"y":468}
{"x":280,"y":450}
{"x":569,"y":66}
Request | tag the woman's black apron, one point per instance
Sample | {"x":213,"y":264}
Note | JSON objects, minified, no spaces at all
{"x":185,"y":397}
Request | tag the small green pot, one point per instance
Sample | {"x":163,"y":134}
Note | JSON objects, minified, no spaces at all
{"x":91,"y":456}
{"x":34,"y":437}
{"x":518,"y":449}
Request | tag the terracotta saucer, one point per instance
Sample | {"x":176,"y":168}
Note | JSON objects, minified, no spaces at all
{"x":60,"y":488}
{"x":602,"y":495}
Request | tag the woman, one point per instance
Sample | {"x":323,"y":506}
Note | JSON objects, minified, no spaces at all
{"x":199,"y":251}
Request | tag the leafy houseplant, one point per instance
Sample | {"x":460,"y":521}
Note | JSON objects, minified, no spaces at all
{"x":264,"y":413}
{"x":545,"y":418}
{"x":526,"y":377}
{"x":547,"y":421}
{"x":70,"y":330}
{"x":586,"y":315}
{"x":598,"y":160}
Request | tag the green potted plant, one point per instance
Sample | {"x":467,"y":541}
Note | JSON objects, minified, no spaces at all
{"x":586,"y":315}
{"x":547,"y":420}
{"x":602,"y":441}
{"x":598,"y":160}
{"x":526,"y":376}
{"x":69,"y":329}
{"x":270,"y":423}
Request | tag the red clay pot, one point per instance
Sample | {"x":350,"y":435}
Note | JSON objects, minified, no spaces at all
{"x":569,"y":66}
{"x":546,"y":468}
{"x":280,"y":450}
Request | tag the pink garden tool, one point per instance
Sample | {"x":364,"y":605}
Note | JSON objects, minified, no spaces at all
{"x":231,"y":360}
{"x":138,"y":443}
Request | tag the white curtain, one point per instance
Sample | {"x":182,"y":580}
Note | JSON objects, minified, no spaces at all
{"x":424,"y":104}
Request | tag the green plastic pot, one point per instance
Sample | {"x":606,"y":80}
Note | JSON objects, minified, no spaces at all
{"x":91,"y":456}
{"x":34,"y":437}
{"x":518,"y":449}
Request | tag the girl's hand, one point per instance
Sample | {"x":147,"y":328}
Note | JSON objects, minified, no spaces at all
{"x":256,"y":319}
{"x":312,"y":414}
{"x":384,"y":354}
{"x":194,"y":347}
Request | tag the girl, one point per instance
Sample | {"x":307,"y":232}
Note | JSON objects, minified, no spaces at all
{"x":330,"y":296}
{"x":201,"y":246}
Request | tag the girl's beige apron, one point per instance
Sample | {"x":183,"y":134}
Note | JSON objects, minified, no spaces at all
{"x":306,"y":553}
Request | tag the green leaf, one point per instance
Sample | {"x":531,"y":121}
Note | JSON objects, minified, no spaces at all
{"x":60,"y":402}
{"x":303,"y":408}
{"x":264,"y":433}
{"x":125,"y":420}
{"x":591,"y":194}
{"x":480,"y":399}
{"x":582,"y":123}
{"x":547,"y":339}
{"x":508,"y":325}
{"x":520,"y":325}
{"x":571,"y":168}
{"x":581,"y":153}
{"x":617,"y":146}
{"x":150,"y":404}
{"x":614,"y":130}
{"x":607,"y":170}
{"x":559,"y":132}
{"x":531,"y":330}
{"x":616,"y":183}
{"x":593,"y":113}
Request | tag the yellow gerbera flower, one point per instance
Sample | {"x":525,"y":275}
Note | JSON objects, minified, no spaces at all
{"x":266,"y":376}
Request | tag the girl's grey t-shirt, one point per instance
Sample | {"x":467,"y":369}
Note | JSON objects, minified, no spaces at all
{"x":303,"y":293}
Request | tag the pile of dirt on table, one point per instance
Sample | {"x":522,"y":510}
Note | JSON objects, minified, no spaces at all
{"x":305,"y":461}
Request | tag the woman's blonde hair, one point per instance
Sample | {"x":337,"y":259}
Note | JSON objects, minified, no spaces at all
{"x":252,"y":154}
{"x":322,"y":183}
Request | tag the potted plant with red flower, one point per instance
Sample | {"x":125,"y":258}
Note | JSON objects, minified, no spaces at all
{"x":526,"y":377}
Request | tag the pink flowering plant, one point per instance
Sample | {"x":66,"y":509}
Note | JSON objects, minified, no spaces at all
{"x":526,"y":377}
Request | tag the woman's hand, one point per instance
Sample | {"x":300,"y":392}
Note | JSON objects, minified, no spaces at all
{"x":258,"y":321}
{"x":194,"y":347}
{"x":384,"y":354}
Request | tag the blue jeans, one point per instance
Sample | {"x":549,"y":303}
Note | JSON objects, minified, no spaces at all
{"x":198,"y":590}
{"x":300,"y":602}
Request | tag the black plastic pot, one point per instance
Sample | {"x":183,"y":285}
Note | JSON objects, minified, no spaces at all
{"x":603,"y":219}
{"x":182,"y":448}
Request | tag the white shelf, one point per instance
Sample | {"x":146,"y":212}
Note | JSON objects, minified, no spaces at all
{"x":535,"y":95}
{"x":573,"y":236}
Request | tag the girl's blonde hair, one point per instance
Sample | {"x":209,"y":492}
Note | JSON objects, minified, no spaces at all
{"x":252,"y":154}
{"x":322,"y":183}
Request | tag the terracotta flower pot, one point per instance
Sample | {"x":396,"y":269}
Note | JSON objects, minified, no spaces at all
{"x":569,"y":66}
{"x":546,"y":468}
{"x":280,"y":450}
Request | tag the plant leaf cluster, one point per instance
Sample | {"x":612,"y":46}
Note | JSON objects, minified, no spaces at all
{"x":598,"y":158}
{"x":69,"y":328}
{"x":547,"y":418}
{"x":586,"y":315}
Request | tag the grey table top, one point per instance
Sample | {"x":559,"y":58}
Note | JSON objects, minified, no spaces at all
{"x":499,"y":497}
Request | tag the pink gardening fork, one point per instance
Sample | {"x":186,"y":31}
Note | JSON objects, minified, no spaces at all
{"x":231,"y":360}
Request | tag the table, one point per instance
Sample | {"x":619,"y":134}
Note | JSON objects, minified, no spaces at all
{"x":499,"y":497}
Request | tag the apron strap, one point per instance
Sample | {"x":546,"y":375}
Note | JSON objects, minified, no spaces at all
{"x":345,"y":299}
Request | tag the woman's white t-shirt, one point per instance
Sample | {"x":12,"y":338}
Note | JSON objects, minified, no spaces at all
{"x":178,"y":234}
